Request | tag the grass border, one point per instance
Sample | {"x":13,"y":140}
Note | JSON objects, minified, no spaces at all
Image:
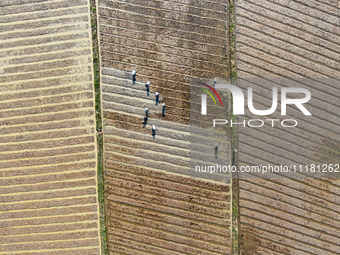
{"x":235,"y":183}
{"x":100,"y":173}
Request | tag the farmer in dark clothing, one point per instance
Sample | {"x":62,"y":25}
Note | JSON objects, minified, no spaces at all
{"x":133,"y":77}
{"x":163,"y":109}
{"x":147,"y":87}
{"x":216,"y":150}
{"x":157,"y":98}
{"x":146,"y":112}
{"x":145,"y":120}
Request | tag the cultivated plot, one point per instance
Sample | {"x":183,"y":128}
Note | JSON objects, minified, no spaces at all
{"x":297,"y":40}
{"x":152,"y":204}
{"x":48,"y":186}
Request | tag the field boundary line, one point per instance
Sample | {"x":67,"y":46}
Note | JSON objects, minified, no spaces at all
{"x":94,"y":17}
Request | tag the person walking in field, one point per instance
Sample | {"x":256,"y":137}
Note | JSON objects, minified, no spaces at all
{"x":157,"y":98}
{"x":163,"y":109}
{"x":216,"y":150}
{"x":153,"y":130}
{"x":133,"y":77}
{"x":146,"y":112}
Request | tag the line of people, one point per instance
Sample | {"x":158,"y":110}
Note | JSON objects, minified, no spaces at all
{"x":145,"y":118}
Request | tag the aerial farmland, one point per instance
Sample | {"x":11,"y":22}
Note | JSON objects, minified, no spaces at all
{"x":102,"y":120}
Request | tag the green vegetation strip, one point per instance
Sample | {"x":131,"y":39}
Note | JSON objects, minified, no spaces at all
{"x":100,"y":174}
{"x":233,"y":74}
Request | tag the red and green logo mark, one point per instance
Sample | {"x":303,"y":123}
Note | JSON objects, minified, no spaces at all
{"x":213,"y":90}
